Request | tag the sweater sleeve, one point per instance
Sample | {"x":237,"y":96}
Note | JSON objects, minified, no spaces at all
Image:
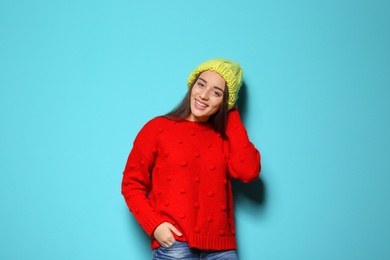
{"x":136,"y":182}
{"x":243,"y":157}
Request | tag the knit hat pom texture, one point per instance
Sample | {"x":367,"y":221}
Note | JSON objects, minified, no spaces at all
{"x":230,"y":71}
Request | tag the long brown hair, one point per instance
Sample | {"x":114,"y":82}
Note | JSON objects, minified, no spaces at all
{"x":217,"y":120}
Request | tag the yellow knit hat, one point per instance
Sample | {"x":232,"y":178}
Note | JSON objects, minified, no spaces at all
{"x":229,"y":70}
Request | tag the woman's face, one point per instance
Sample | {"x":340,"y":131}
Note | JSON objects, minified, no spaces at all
{"x":206,"y":96}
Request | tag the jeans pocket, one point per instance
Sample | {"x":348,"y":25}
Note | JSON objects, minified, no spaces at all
{"x":178,"y":250}
{"x":171,"y":245}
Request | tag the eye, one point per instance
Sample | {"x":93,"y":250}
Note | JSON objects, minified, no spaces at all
{"x":217,"y":93}
{"x":200,"y":84}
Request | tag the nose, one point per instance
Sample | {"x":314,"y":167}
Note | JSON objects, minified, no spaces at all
{"x":204,"y":94}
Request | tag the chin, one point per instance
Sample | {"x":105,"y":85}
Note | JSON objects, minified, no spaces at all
{"x":200,"y":117}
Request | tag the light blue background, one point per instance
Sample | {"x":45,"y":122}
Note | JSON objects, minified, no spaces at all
{"x":79,"y":78}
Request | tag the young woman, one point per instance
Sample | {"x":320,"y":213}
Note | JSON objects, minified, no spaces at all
{"x":177,"y":178}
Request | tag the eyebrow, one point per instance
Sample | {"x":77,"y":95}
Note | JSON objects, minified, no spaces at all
{"x":214,"y":86}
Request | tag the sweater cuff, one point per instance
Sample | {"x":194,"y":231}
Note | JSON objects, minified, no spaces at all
{"x":150,"y":223}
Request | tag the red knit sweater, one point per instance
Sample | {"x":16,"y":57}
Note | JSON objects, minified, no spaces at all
{"x":179,"y":172}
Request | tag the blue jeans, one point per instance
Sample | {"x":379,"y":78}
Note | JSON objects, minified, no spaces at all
{"x":181,"y":250}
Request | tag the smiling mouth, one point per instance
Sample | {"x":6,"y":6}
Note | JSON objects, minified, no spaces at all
{"x":200,"y":105}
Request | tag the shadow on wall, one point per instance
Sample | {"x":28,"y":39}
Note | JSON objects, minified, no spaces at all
{"x":242,"y":103}
{"x":252,"y":195}
{"x":248,"y":197}
{"x":254,"y":191}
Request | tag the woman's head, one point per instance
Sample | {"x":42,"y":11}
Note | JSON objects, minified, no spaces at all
{"x":230,"y":71}
{"x":213,"y":91}
{"x":206,"y":96}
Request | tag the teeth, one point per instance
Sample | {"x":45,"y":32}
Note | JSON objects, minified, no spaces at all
{"x":200,"y":104}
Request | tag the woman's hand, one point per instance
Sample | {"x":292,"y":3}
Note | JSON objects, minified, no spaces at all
{"x":163,"y":234}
